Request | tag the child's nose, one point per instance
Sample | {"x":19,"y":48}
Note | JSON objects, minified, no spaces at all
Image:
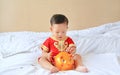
{"x":60,"y":34}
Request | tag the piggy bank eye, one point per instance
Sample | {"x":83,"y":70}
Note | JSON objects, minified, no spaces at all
{"x":63,"y":60}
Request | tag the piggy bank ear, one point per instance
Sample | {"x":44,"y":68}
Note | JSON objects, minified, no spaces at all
{"x":64,"y":61}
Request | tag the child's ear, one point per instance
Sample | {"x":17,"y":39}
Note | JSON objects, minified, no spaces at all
{"x":67,"y":27}
{"x":50,"y":28}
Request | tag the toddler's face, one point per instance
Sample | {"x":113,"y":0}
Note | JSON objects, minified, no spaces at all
{"x":59,"y":30}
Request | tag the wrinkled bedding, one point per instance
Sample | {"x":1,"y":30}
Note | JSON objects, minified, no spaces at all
{"x":98,"y":46}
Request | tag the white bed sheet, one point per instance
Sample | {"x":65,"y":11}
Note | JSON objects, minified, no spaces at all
{"x":98,"y":64}
{"x":99,"y":47}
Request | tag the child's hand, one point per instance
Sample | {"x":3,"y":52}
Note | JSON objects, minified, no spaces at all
{"x":49,"y":55}
{"x":71,"y":49}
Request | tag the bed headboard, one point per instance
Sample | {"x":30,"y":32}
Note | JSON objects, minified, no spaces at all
{"x":34,"y":15}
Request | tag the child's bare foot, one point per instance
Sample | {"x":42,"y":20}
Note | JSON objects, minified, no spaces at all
{"x":54,"y":70}
{"x":81,"y":69}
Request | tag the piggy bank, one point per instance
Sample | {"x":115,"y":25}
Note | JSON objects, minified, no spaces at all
{"x":64,"y":61}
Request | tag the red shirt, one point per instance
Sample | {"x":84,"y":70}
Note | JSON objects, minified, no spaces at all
{"x":55,"y":46}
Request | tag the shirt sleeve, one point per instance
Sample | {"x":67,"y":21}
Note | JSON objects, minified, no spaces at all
{"x":71,"y":42}
{"x":45,"y":45}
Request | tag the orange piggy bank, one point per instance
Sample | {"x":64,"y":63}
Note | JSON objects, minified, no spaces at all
{"x":64,"y":61}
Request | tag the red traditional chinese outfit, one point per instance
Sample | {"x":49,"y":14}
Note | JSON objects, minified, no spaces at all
{"x":55,"y":46}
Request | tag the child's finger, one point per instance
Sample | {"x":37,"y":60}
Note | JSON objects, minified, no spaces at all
{"x":72,"y":50}
{"x":68,"y":49}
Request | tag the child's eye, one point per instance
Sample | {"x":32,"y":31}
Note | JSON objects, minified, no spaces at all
{"x":57,"y":32}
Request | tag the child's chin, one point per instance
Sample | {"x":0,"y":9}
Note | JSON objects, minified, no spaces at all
{"x":60,"y":38}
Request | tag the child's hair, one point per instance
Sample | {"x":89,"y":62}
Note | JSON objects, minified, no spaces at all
{"x":58,"y":19}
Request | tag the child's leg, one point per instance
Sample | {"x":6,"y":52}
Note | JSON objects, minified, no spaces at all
{"x":44,"y":62}
{"x":78,"y":64}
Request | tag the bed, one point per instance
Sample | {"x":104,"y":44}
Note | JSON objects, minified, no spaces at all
{"x":99,"y":47}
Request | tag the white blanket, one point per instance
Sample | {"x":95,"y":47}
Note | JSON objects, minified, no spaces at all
{"x":99,"y":47}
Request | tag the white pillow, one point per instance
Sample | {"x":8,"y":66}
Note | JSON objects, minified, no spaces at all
{"x":99,"y":44}
{"x":18,"y":42}
{"x":99,"y":29}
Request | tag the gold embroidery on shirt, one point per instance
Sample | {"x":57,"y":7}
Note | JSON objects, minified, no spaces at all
{"x":44,"y":48}
{"x":61,"y":45}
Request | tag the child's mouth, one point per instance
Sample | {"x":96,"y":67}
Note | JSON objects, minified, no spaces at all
{"x":60,"y":37}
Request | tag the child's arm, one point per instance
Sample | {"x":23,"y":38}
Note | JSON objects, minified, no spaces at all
{"x":71,"y":49}
{"x":48,"y":55}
